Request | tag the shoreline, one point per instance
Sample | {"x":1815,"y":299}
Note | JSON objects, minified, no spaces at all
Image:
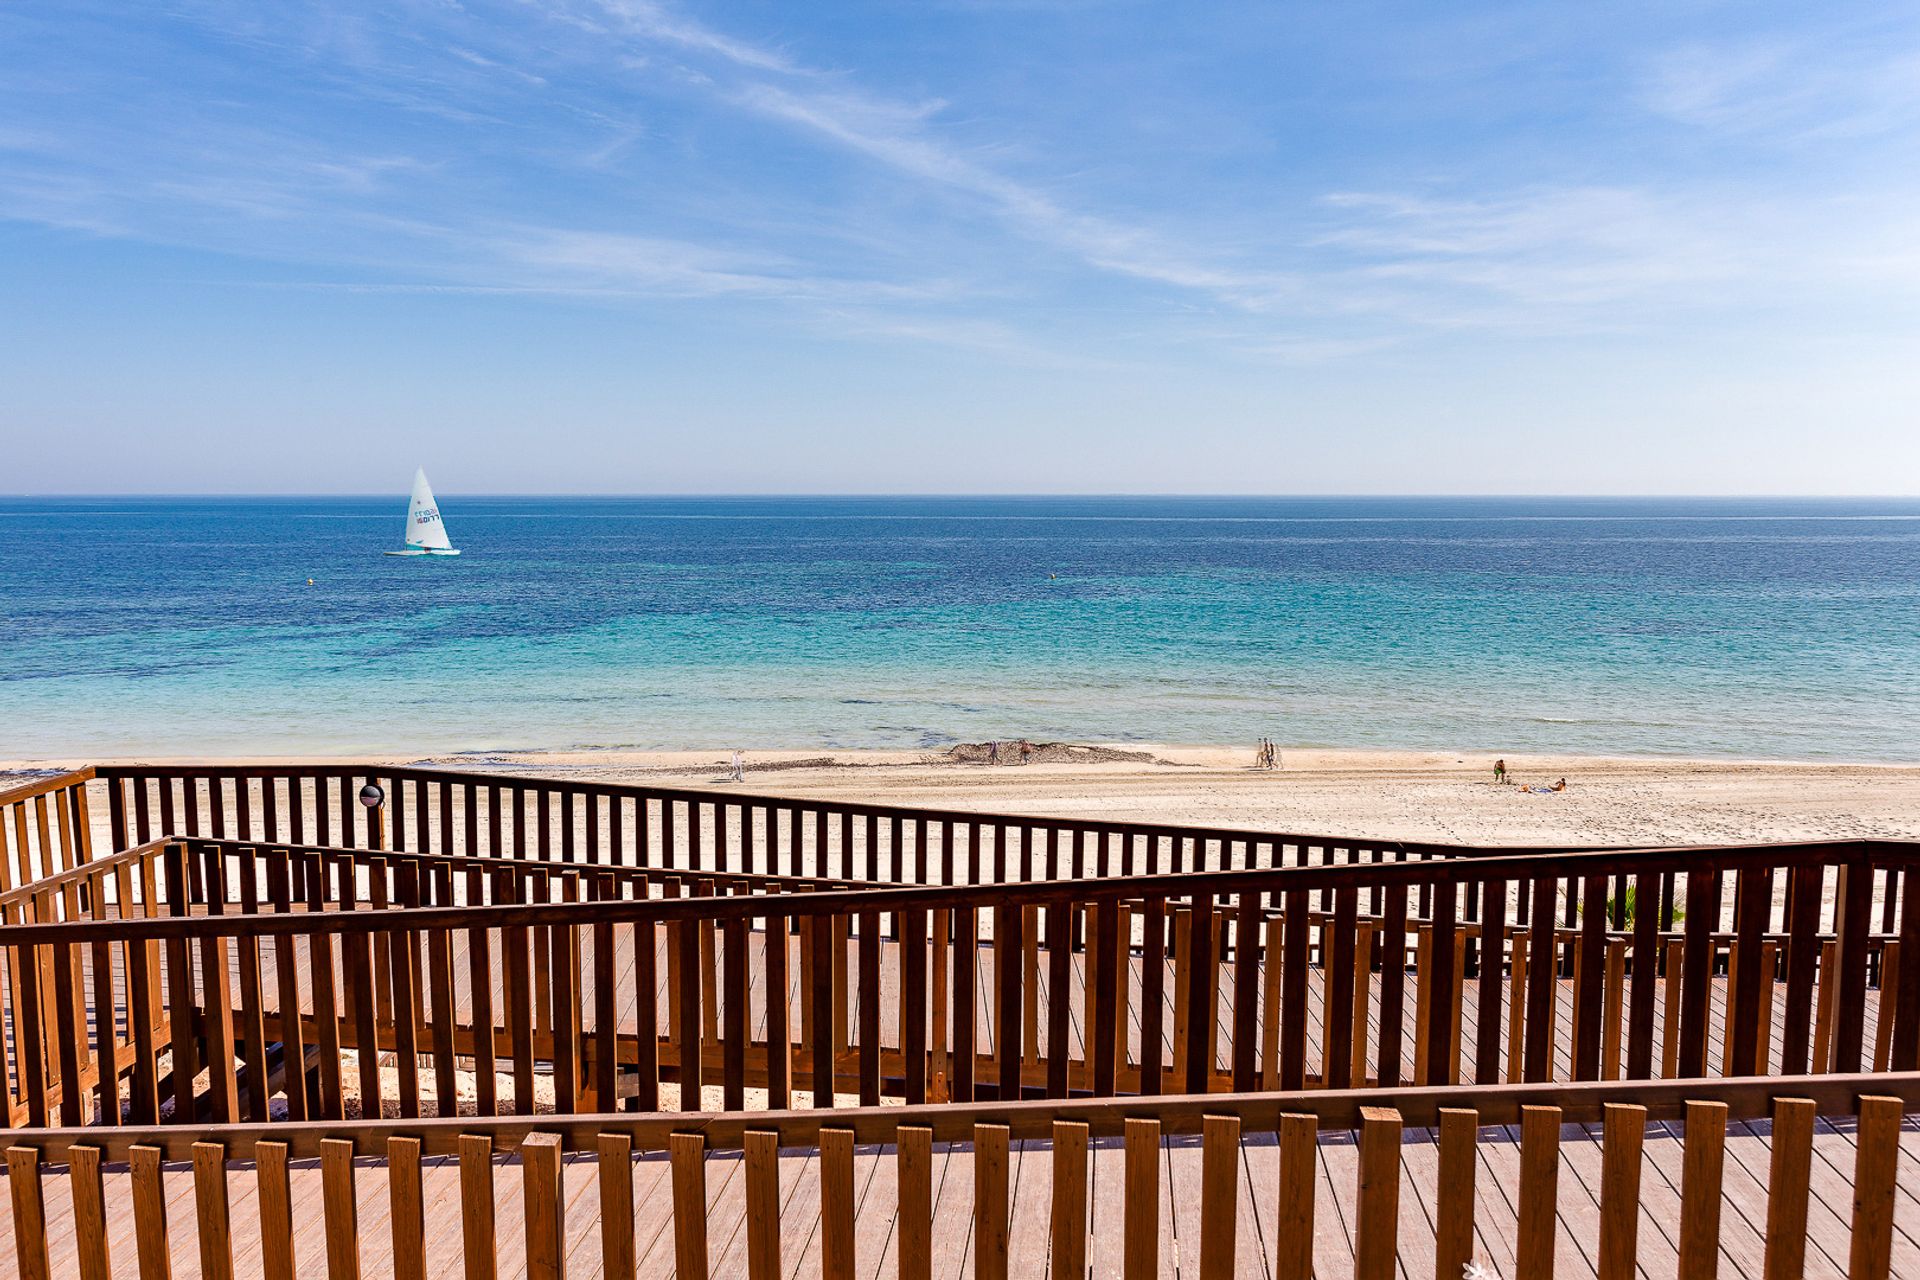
{"x":1179,"y":755}
{"x":1348,"y":792}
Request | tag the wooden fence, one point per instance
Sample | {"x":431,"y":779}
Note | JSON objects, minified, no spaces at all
{"x":586,"y":987}
{"x":574,"y":821}
{"x":1103,"y":1187}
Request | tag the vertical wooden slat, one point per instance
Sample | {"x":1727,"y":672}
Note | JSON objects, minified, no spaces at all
{"x":1803,"y":954}
{"x":1906,"y":1034}
{"x":1787,"y":1185}
{"x":1377,"y":1230}
{"x":1854,"y":903}
{"x":1141,"y":1203}
{"x":688,"y":1152}
{"x":869,"y":960}
{"x":836,"y":1204}
{"x":1539,"y":1188}
{"x":820,"y":960}
{"x":1700,"y":1185}
{"x":69,"y":1051}
{"x":1752,"y":897}
{"x":1612,"y":1008}
{"x":340,"y":1209}
{"x":89,"y":1213}
{"x":406,"y":1209}
{"x":1337,"y":964}
{"x":913,"y":1002}
{"x":990,"y":1185}
{"x":477,"y":1245}
{"x":914,"y":1152}
{"x":1622,"y":1138}
{"x":616,"y":1204}
{"x":1645,"y":970}
{"x":274,"y":1190}
{"x":1542,"y":981}
{"x":1876,"y":1159}
{"x":149,"y":1213}
{"x":1454,"y":1209}
{"x":1696,"y":970}
{"x":211,"y":1210}
{"x":1589,"y":980}
{"x":1293,"y":1000}
{"x":143,"y":1003}
{"x":1393,"y":983}
{"x":762,"y":1151}
{"x":685,"y":943}
{"x":1299,"y":1177}
{"x":1106,"y":966}
{"x":1068,"y":1260}
{"x":1219,"y":1195}
{"x":29,"y":1213}
{"x":1486,"y":1056}
{"x":545,"y":1207}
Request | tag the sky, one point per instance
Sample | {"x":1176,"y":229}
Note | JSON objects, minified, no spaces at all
{"x":615,"y":246}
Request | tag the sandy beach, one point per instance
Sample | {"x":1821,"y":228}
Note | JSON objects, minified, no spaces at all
{"x":1416,"y":795}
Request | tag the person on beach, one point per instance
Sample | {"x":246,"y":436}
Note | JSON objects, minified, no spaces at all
{"x":739,"y":766}
{"x":1026,"y":752}
{"x":993,"y":752}
{"x":1499,"y":771}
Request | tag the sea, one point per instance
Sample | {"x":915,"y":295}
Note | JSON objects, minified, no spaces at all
{"x":1732,"y":628}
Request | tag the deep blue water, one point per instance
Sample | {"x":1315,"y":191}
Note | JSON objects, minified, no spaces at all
{"x":1770,"y":628}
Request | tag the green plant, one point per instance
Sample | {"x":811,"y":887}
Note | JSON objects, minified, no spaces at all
{"x":1625,"y":916}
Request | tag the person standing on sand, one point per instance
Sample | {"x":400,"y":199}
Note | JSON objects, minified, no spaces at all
{"x":1499,"y":770}
{"x":1026,"y":752}
{"x":739,"y":766}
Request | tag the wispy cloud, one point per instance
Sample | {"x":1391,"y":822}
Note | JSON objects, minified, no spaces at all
{"x":618,"y":150}
{"x":1793,"y":88}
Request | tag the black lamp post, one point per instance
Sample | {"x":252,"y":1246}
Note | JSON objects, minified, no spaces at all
{"x":375,"y":799}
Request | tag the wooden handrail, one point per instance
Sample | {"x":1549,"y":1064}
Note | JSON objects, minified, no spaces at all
{"x":890,"y":898}
{"x":1582,"y":1102}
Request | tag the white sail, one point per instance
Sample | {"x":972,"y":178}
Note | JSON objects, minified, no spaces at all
{"x":425,"y":531}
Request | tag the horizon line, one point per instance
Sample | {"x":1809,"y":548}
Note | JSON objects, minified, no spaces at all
{"x":1035,"y":495}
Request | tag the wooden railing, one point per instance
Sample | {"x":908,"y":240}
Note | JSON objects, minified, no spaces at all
{"x":576,"y":821}
{"x":1115,"y":1187}
{"x":720,"y":829}
{"x":587,"y":987}
{"x":45,"y":828}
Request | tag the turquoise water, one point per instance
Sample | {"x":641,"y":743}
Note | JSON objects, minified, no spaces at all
{"x":1757,"y":628}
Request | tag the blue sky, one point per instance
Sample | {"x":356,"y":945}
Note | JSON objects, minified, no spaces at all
{"x":618,"y":246}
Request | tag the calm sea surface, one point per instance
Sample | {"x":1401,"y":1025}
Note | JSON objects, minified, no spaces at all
{"x":1767,"y":628}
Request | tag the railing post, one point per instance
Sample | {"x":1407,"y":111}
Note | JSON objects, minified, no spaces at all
{"x":1377,"y":1231}
{"x":545,"y":1206}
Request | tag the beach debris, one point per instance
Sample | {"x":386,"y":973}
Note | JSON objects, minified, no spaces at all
{"x":1042,"y":753}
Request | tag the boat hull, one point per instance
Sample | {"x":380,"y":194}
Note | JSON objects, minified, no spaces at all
{"x":419,"y":551}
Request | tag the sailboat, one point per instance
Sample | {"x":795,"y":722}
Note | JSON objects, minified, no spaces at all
{"x":426,"y":533}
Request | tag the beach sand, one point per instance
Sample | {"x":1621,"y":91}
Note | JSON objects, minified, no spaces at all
{"x":1413,"y":795}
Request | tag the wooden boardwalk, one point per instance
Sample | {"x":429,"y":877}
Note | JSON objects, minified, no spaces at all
{"x":1029,"y":1178}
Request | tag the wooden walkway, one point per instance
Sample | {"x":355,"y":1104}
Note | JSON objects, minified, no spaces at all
{"x":1030,"y":1182}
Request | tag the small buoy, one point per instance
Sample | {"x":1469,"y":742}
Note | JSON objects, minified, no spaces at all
{"x":1053,"y":577}
{"x":309,"y":581}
